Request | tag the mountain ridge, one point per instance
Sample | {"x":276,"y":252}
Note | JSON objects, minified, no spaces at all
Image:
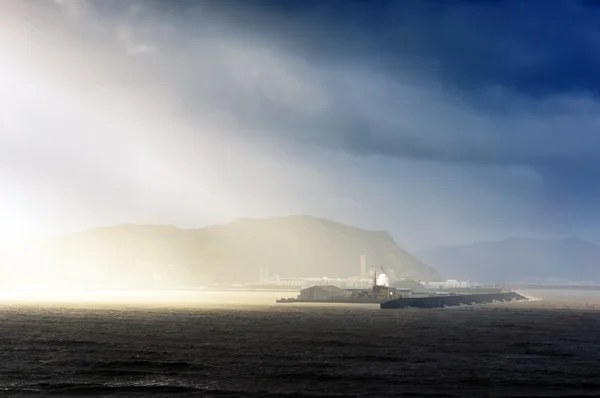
{"x":292,"y":246}
{"x":518,"y":260}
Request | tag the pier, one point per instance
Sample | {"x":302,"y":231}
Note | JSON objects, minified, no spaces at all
{"x":450,"y":301}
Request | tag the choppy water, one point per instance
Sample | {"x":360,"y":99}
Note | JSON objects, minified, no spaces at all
{"x":543,"y":348}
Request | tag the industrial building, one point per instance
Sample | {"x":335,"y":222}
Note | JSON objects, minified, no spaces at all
{"x":334,"y":294}
{"x":448,"y":284}
{"x":323,"y":281}
{"x":363,"y":281}
{"x":374,"y":289}
{"x":326,"y":292}
{"x":415,"y":288}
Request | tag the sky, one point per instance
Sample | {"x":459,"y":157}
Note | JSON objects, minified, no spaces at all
{"x":442,"y":122}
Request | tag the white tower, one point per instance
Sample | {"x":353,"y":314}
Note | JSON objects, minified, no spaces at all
{"x":363,"y":266}
{"x":264,"y":273}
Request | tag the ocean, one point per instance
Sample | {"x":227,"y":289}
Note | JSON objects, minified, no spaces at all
{"x":243,"y":345}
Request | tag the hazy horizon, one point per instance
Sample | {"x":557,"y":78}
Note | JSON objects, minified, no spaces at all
{"x":57,"y":234}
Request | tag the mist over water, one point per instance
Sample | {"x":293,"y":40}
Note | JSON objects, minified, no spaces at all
{"x":140,"y":299}
{"x":564,"y":298}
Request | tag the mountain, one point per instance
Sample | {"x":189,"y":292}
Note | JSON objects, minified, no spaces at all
{"x":143,"y":255}
{"x":519,"y":260}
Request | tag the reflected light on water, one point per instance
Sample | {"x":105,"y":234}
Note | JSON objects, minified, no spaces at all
{"x":173,"y":298}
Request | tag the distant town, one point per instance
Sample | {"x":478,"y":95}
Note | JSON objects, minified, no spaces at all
{"x":366,"y":277}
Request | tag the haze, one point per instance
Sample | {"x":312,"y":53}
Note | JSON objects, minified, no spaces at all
{"x":399,"y":119}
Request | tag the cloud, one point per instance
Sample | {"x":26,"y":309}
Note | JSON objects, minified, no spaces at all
{"x":196,"y":112}
{"x":354,"y":107}
{"x":133,"y":45}
{"x":350,"y":105}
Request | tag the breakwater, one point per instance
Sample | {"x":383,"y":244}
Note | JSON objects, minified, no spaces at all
{"x":450,"y":301}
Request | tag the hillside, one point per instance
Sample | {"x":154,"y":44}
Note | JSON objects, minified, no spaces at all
{"x":143,"y":255}
{"x":534,"y":261}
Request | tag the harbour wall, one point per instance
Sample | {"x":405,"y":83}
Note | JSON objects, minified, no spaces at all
{"x":450,"y":301}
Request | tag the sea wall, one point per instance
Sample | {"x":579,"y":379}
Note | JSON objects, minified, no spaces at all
{"x":450,"y":301}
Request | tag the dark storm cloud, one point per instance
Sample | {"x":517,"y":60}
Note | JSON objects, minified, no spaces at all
{"x":519,"y":81}
{"x":506,"y":81}
{"x":533,"y":47}
{"x":479,"y":82}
